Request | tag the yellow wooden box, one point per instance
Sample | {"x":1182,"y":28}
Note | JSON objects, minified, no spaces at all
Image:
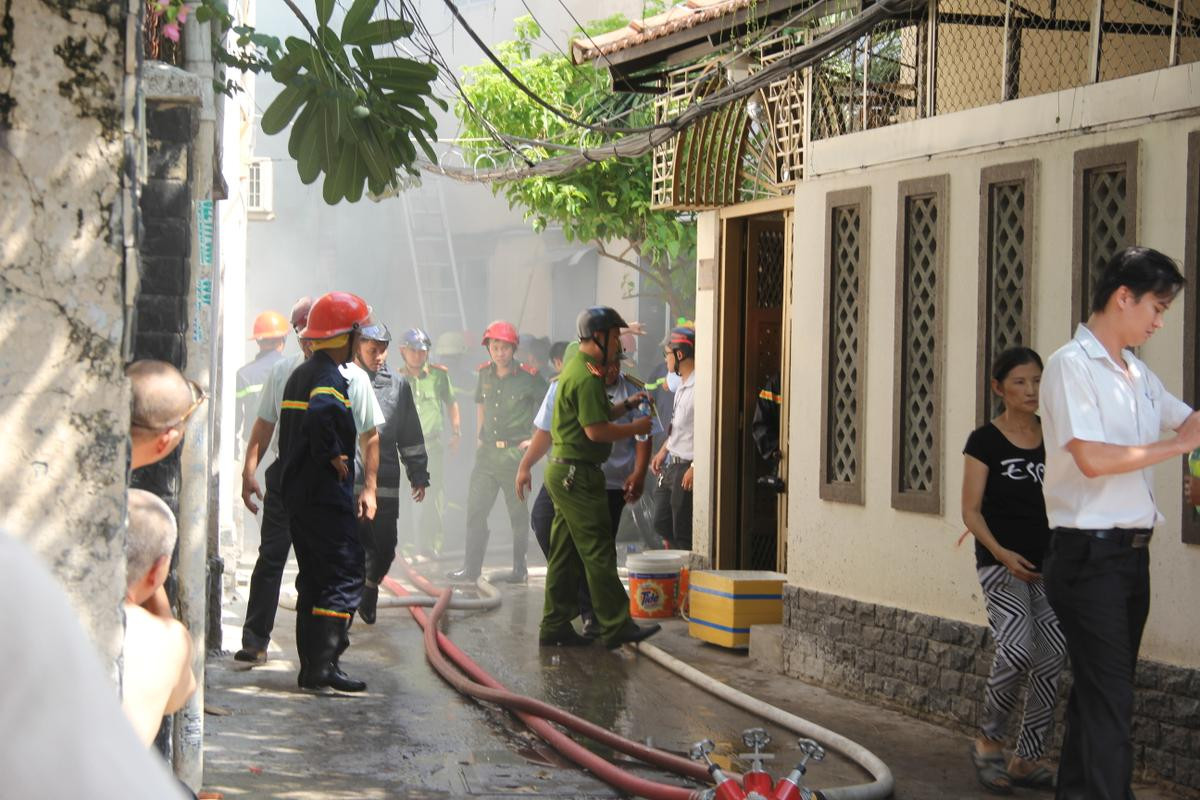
{"x":724,"y":603}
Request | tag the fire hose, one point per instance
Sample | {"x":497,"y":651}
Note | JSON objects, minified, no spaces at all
{"x":537,"y":716}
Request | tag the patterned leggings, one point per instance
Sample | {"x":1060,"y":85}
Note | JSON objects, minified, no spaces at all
{"x":1030,"y":648}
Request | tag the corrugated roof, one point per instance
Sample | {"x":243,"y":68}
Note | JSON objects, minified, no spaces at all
{"x":677,"y":18}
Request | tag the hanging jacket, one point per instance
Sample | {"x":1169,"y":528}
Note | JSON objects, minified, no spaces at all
{"x":400,"y":437}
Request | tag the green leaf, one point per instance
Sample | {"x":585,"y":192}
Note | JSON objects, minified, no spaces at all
{"x":299,"y":53}
{"x":381,"y":31}
{"x":358,"y":15}
{"x":324,"y":11}
{"x":310,"y":145}
{"x":282,"y":109}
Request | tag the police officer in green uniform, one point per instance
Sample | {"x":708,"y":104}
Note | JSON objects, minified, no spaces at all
{"x":507,"y":397}
{"x":581,"y":539}
{"x":433,"y":394}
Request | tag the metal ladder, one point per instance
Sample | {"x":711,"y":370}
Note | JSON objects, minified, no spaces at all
{"x":434,"y":264}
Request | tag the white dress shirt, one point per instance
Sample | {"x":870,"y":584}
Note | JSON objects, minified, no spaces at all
{"x":1086,"y":395}
{"x":681,"y":441}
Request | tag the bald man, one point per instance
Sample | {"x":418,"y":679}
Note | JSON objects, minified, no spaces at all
{"x":162,"y":402}
{"x":158,"y":677}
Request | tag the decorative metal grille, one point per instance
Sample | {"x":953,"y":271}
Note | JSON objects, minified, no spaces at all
{"x":1008,"y":272}
{"x":962,"y":54}
{"x":919,"y":378}
{"x":870,"y":83}
{"x":1105,"y":224}
{"x":769,"y":281}
{"x":842,"y":444}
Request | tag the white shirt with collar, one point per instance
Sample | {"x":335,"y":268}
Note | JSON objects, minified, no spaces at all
{"x":1086,"y":395}
{"x":681,"y":441}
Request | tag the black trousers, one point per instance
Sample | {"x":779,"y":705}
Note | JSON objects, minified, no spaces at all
{"x":274,"y":544}
{"x":378,"y":538}
{"x":542,"y":517}
{"x":1100,"y":591}
{"x":673,"y":507}
{"x":331,"y":561}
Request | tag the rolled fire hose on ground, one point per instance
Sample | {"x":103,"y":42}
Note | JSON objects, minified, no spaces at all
{"x":537,"y":715}
{"x":881,"y":787}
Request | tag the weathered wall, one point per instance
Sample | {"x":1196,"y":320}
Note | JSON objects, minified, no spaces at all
{"x":64,"y":415}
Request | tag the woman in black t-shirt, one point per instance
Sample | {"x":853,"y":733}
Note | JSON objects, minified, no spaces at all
{"x":1003,"y":507}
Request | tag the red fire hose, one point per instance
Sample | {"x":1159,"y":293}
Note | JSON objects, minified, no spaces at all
{"x":538,"y":715}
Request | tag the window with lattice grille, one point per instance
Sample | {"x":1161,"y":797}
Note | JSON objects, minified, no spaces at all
{"x":1105,"y":214}
{"x":920,"y":288}
{"x":1191,"y":314}
{"x":843,"y":395}
{"x":1006,"y":231}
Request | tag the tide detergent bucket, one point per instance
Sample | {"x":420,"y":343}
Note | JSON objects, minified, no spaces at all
{"x":653,"y":583}
{"x":681,"y":594}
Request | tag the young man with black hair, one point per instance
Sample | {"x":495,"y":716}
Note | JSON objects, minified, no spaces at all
{"x":1103,"y":411}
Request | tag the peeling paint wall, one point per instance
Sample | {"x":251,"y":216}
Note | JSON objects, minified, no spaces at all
{"x":64,"y":408}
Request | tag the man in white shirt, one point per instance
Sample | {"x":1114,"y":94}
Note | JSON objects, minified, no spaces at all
{"x":275,"y":533}
{"x":1103,"y":412}
{"x":673,"y":462}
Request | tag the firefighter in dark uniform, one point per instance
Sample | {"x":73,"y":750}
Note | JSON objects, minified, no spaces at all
{"x":581,"y":538}
{"x":507,"y":396}
{"x":316,"y":448}
{"x":400,"y":441}
{"x":270,"y":333}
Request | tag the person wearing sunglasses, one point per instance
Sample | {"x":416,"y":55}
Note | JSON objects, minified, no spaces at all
{"x":163,"y":401}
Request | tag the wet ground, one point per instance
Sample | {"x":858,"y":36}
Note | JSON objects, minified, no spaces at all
{"x":412,"y":736}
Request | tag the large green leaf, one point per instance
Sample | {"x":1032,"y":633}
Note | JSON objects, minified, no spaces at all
{"x":381,"y":31}
{"x":282,"y":109}
{"x":299,"y":52}
{"x":357,"y":17}
{"x":324,"y":11}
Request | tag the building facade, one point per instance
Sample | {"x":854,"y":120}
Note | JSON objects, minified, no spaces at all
{"x":905,"y":204}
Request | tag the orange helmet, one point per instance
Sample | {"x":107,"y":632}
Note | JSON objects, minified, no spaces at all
{"x":270,"y":325}
{"x":334,"y":314}
{"x":501,"y":331}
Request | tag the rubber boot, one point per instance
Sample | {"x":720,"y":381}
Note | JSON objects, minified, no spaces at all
{"x":337,"y":658}
{"x":324,"y":638}
{"x":302,"y":637}
{"x":473,"y":563}
{"x":520,"y":572}
{"x":370,"y":602}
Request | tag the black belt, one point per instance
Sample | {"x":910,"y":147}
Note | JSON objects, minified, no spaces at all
{"x":574,"y":462}
{"x":1126,"y":537}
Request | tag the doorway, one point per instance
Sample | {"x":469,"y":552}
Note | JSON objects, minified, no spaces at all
{"x":754,"y":291}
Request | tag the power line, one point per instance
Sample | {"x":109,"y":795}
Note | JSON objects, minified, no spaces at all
{"x":642,"y":142}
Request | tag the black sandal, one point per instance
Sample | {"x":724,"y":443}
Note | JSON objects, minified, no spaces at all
{"x":991,"y":772}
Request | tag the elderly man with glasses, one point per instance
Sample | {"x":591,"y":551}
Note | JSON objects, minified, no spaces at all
{"x":163,"y":401}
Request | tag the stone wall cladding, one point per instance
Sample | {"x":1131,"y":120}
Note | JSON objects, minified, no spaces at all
{"x":935,"y":669}
{"x":65,"y":404}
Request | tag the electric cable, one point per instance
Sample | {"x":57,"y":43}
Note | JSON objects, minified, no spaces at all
{"x":636,"y":144}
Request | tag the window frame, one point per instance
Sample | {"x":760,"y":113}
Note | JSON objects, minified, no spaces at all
{"x":265,"y":208}
{"x":843,"y":491}
{"x":1189,"y":519}
{"x":1024,"y":172}
{"x":924,"y":502}
{"x":1123,"y":154}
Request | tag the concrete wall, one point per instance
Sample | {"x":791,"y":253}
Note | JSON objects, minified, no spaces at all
{"x":63,"y":223}
{"x":873,"y":553}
